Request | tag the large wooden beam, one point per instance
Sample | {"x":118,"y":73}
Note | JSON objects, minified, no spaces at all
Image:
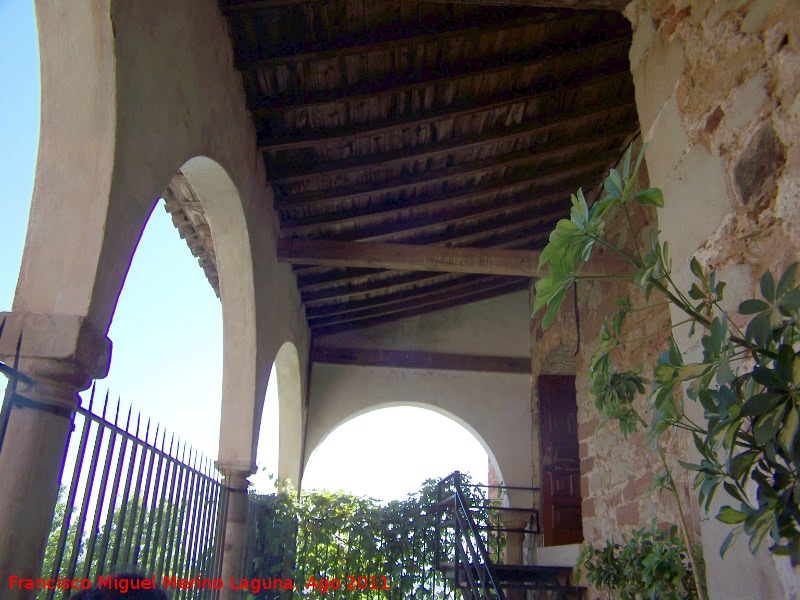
{"x":407,"y":359}
{"x":409,"y":258}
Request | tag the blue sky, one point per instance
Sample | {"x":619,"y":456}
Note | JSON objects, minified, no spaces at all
{"x":167,"y":330}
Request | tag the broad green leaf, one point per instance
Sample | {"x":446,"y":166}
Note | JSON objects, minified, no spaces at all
{"x":733,"y":491}
{"x":767,"y":285}
{"x":752,"y":306}
{"x":692,"y":371}
{"x":788,"y":432}
{"x":731,"y":516}
{"x":768,"y":425}
{"x":650,"y":197}
{"x":694,"y":265}
{"x":613,"y":182}
{"x":760,"y":404}
{"x":626,"y":162}
{"x":790,"y":301}
{"x":787,"y":280}
{"x":729,"y":540}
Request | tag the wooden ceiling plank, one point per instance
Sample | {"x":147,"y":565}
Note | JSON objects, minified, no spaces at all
{"x":580,"y":144}
{"x":366,"y":44}
{"x":350,"y":133}
{"x":479,"y":287}
{"x":389,"y":221}
{"x":408,"y":359}
{"x":264,"y":4}
{"x":397,"y":280}
{"x":386,"y":297}
{"x":392,"y":84}
{"x":369,"y":321}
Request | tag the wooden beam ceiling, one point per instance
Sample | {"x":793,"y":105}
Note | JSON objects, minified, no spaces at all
{"x":419,"y":152}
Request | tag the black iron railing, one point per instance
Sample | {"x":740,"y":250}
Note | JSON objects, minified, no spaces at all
{"x":472,"y":567}
{"x":135,"y":502}
{"x":128,"y":501}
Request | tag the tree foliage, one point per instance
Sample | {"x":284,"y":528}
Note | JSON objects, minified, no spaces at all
{"x":339,"y":535}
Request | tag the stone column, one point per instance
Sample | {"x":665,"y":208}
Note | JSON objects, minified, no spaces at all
{"x":236,"y":483}
{"x":61,"y":355}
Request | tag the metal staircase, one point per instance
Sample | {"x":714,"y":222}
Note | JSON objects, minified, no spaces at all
{"x":463,"y":558}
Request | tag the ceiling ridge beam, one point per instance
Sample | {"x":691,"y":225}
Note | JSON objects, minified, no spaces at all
{"x":476,"y":68}
{"x":415,"y":359}
{"x":367,"y":44}
{"x":349,"y":133}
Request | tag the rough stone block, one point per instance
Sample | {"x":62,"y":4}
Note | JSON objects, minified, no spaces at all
{"x":666,"y":145}
{"x":655,"y":79}
{"x":64,"y":338}
{"x":696,"y":200}
{"x":628,"y":515}
{"x":759,"y":168}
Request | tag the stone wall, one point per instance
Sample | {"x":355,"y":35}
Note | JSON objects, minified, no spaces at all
{"x":616,"y":474}
{"x":717,"y":91}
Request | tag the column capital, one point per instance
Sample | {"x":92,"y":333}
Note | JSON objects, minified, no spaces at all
{"x":235,"y":474}
{"x":61,"y":353}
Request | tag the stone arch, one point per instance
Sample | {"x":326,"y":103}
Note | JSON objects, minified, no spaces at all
{"x":222,"y":205}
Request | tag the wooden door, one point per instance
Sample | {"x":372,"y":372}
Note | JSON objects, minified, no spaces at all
{"x":561,"y":474}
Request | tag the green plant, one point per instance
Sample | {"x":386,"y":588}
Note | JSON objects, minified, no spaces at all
{"x":651,"y":564}
{"x":748,"y":381}
{"x":329,"y":536}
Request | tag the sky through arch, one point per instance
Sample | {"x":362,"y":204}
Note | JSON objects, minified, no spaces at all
{"x":388,"y":452}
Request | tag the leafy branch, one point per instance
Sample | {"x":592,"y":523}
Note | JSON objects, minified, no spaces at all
{"x":748,"y":383}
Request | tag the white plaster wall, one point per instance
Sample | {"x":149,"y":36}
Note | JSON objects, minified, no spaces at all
{"x":494,"y":407}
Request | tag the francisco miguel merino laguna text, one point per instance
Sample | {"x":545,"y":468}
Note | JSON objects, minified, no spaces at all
{"x":125,"y":584}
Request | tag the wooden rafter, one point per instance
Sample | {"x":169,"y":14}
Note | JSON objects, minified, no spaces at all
{"x":343,"y":135}
{"x":394,"y":84}
{"x":574,"y":143}
{"x":375,"y":317}
{"x":374,"y":222}
{"x":367,"y":44}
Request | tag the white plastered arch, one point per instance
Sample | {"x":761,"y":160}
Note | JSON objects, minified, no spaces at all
{"x":493,"y":407}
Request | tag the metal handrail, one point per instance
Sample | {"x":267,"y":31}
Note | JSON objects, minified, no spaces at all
{"x":476,"y":561}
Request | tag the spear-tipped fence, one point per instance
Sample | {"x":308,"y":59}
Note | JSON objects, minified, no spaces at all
{"x":130,"y":501}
